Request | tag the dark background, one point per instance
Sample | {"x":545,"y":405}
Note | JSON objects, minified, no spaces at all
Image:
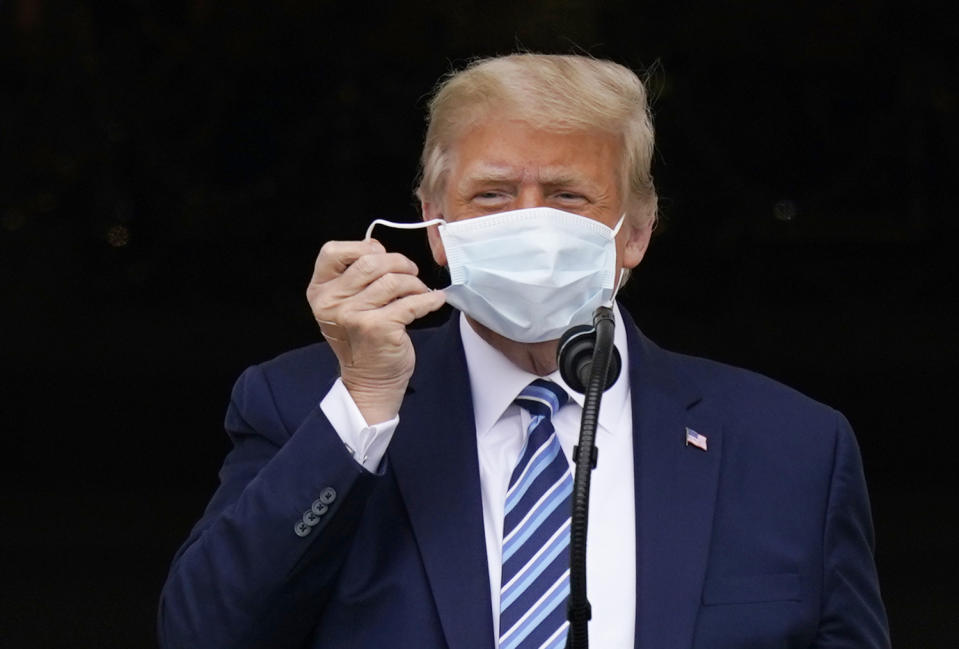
{"x":169,"y":170}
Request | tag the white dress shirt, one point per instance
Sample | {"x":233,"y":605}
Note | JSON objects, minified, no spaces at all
{"x":500,"y":430}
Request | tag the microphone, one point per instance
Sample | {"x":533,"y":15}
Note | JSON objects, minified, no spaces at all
{"x":575,"y":355}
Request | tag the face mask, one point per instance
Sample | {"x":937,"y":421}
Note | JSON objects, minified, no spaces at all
{"x":528,"y":274}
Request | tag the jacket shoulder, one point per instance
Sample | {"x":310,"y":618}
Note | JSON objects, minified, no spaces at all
{"x":749,"y":399}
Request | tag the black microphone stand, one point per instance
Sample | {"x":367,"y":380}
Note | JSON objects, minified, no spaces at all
{"x":590,"y":373}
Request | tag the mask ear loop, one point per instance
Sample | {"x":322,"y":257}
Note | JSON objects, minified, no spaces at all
{"x":401,"y":226}
{"x":619,"y":224}
{"x":619,"y":284}
{"x":623,"y":272}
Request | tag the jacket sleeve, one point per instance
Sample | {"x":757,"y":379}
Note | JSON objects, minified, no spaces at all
{"x":257,"y":569}
{"x":853,"y":615}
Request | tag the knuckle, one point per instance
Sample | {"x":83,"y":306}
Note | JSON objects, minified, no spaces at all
{"x":410,"y":311}
{"x":403,"y":263}
{"x":329,"y":249}
{"x":389,"y":283}
{"x":366,"y":265}
{"x":318,"y":295}
{"x":395,"y":337}
{"x":323,"y":309}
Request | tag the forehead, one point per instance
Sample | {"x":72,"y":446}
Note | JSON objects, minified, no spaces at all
{"x":503,"y":148}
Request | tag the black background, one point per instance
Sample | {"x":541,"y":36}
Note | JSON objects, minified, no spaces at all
{"x":169,"y":170}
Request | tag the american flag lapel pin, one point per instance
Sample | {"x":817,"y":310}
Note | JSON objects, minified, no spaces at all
{"x":694,"y":438}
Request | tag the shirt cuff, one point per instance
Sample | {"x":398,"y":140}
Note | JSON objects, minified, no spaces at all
{"x":367,"y":444}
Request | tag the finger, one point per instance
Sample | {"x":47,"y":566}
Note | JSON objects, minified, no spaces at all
{"x":369,"y":268}
{"x":329,"y":299}
{"x":387,"y":288}
{"x":412,"y":307}
{"x":336,"y":256}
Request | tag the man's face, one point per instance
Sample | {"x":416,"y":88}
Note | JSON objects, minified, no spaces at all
{"x":504,"y":164}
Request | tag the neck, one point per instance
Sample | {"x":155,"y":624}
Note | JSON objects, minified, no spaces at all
{"x":536,"y":358}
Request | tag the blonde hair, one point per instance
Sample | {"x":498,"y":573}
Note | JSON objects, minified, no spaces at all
{"x":549,"y":91}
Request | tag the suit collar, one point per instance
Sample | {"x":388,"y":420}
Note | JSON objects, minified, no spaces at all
{"x":675,"y":494}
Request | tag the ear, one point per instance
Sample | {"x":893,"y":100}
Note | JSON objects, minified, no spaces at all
{"x":637,"y":241}
{"x":432,"y":211}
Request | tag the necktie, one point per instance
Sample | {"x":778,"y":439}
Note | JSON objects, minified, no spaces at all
{"x":535,"y":578}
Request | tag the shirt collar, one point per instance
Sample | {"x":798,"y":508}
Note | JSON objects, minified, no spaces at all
{"x":491,"y":398}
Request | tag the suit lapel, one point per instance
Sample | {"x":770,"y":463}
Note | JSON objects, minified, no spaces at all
{"x":675,"y":496}
{"x":433,"y":456}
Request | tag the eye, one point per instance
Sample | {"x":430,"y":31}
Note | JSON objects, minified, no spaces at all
{"x":570,"y":198}
{"x":490,"y":197}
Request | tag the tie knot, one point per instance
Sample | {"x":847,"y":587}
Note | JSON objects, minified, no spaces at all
{"x":542,"y":397}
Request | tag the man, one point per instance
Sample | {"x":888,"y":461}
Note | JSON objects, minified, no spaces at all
{"x":410,"y":488}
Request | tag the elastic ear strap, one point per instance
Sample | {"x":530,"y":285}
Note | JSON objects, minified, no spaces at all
{"x":623,"y":273}
{"x":619,"y":224}
{"x":401,"y":226}
{"x":619,"y":283}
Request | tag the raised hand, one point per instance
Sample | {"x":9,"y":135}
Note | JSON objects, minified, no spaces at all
{"x":363,"y":298}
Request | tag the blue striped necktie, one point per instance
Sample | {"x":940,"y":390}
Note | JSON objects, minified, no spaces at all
{"x":535,"y":578}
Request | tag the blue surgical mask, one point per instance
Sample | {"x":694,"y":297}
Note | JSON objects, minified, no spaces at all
{"x":528,"y":274}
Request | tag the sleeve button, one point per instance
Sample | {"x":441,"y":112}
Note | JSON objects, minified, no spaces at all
{"x":302,"y":529}
{"x":327,"y":496}
{"x":318,"y":507}
{"x":310,"y":518}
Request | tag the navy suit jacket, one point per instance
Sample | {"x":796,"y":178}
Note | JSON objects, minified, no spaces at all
{"x":764,"y":540}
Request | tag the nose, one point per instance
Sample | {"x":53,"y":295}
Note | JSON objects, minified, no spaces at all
{"x":531,"y":195}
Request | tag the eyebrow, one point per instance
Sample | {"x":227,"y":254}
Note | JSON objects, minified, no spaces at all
{"x":493,"y":173}
{"x":490,"y":173}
